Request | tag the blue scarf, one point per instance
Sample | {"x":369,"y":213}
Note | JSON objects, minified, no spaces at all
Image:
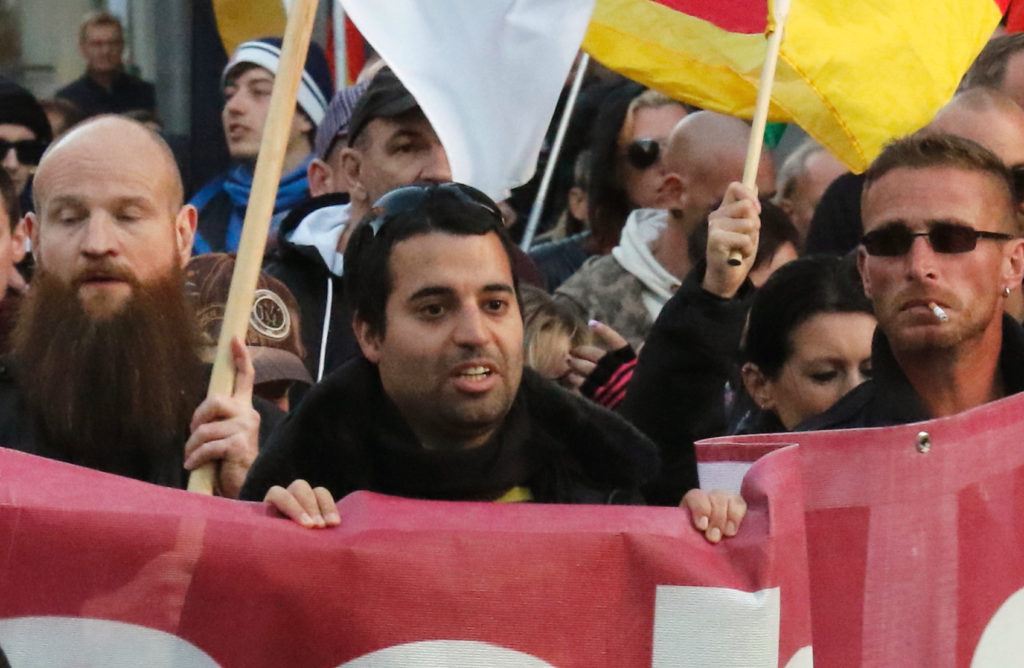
{"x":237,"y":183}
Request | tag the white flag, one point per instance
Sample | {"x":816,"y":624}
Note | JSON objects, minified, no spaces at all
{"x":487,"y":74}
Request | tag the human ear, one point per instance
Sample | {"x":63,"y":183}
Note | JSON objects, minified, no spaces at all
{"x":17,"y":241}
{"x":672,"y":192}
{"x":369,"y":341}
{"x":1013,"y":265}
{"x":31,"y":222}
{"x":351,"y":171}
{"x":758,"y":386}
{"x":184,"y":232}
{"x":862,"y":258}
{"x":319,"y":173}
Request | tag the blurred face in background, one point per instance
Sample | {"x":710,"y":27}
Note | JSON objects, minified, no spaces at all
{"x":102,"y":46}
{"x":19,"y":153}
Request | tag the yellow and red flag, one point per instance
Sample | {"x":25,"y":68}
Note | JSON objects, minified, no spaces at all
{"x":854,"y":74}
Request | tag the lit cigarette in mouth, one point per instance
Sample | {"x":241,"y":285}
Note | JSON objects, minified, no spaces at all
{"x":939,"y":313}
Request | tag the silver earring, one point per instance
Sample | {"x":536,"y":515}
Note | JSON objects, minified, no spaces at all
{"x":1006,"y":291}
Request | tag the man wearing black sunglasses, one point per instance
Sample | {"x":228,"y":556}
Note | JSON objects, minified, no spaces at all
{"x":942,"y":251}
{"x":24,"y":134}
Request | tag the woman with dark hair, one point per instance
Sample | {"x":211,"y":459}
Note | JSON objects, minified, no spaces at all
{"x":808,"y":342}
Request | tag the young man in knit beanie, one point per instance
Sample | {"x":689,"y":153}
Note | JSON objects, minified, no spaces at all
{"x":24,"y":135}
{"x":247,"y":83}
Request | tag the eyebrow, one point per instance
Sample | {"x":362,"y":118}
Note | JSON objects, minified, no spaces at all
{"x":75,"y":201}
{"x":63,"y":201}
{"x":442,"y":291}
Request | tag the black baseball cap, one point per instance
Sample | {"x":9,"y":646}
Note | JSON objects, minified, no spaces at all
{"x":386,"y":97}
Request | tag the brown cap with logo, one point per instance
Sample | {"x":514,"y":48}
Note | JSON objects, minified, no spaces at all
{"x":273,"y":334}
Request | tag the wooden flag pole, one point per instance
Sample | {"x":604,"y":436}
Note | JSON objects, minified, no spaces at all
{"x":764,"y":98}
{"x":260,"y":209}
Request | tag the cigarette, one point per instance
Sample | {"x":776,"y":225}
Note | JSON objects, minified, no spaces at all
{"x":939,"y":313}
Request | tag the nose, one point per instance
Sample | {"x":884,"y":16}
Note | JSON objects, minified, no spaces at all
{"x":470,"y":328}
{"x":436,"y":169}
{"x":852,"y":380}
{"x":234,"y":104}
{"x":10,"y":160}
{"x":99,"y":237}
{"x":920,"y":260}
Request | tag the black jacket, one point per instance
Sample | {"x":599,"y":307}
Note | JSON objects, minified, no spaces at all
{"x":128,"y":93}
{"x":317,"y":289}
{"x":18,"y":427}
{"x":347,"y":435}
{"x":889,"y":399}
{"x":676,"y":395}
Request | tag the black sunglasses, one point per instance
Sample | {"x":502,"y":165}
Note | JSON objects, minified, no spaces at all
{"x":642,"y":153}
{"x":29,"y":151}
{"x":896,"y":239}
{"x":410,"y":198}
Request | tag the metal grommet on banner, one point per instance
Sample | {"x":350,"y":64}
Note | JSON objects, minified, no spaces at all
{"x":924,"y":442}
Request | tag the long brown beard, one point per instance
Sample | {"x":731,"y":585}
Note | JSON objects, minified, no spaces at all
{"x":117,"y":393}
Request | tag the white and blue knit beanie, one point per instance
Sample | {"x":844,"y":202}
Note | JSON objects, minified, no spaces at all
{"x":316,"y":87}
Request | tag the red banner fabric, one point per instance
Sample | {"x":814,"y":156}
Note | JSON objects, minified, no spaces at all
{"x":914,"y":536}
{"x":104,"y":567}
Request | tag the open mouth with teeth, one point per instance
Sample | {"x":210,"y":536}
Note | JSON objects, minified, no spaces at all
{"x":476,"y":373}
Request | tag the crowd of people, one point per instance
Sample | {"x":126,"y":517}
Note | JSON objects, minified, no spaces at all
{"x":401,"y":341}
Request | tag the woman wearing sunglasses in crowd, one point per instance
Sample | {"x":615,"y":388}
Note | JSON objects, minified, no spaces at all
{"x":24,"y":134}
{"x":622,"y":175}
{"x":625,"y":170}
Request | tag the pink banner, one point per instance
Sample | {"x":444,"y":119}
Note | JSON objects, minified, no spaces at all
{"x":95,"y":567}
{"x":914,"y":537}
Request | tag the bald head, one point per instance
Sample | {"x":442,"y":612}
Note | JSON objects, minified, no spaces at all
{"x":110,"y":139}
{"x":108,"y":212}
{"x":706,"y":151}
{"x":988,"y":117}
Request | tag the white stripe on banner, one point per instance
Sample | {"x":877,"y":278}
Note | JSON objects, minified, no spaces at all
{"x":745,"y":635}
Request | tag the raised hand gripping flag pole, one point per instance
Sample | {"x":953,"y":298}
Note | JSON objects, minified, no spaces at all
{"x":256,"y":226}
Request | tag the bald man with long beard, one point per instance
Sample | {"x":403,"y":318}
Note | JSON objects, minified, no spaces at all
{"x":104,"y":371}
{"x":627,"y":289}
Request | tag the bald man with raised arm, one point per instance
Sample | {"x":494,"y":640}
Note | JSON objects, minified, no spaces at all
{"x":628,"y":288}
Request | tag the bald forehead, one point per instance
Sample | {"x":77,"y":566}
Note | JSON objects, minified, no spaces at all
{"x":988,"y":118}
{"x":108,"y":148}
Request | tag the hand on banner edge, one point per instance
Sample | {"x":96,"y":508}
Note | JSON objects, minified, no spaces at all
{"x":717,"y":514}
{"x":313,"y":508}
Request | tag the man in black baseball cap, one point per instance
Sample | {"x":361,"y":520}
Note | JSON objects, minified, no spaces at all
{"x":24,"y":135}
{"x":372,"y":139}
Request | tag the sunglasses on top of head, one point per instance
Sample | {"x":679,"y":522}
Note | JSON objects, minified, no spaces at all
{"x":29,"y":151}
{"x":410,"y":198}
{"x":896,"y":239}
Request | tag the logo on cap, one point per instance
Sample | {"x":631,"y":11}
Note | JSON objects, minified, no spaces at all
{"x":270,"y":316}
